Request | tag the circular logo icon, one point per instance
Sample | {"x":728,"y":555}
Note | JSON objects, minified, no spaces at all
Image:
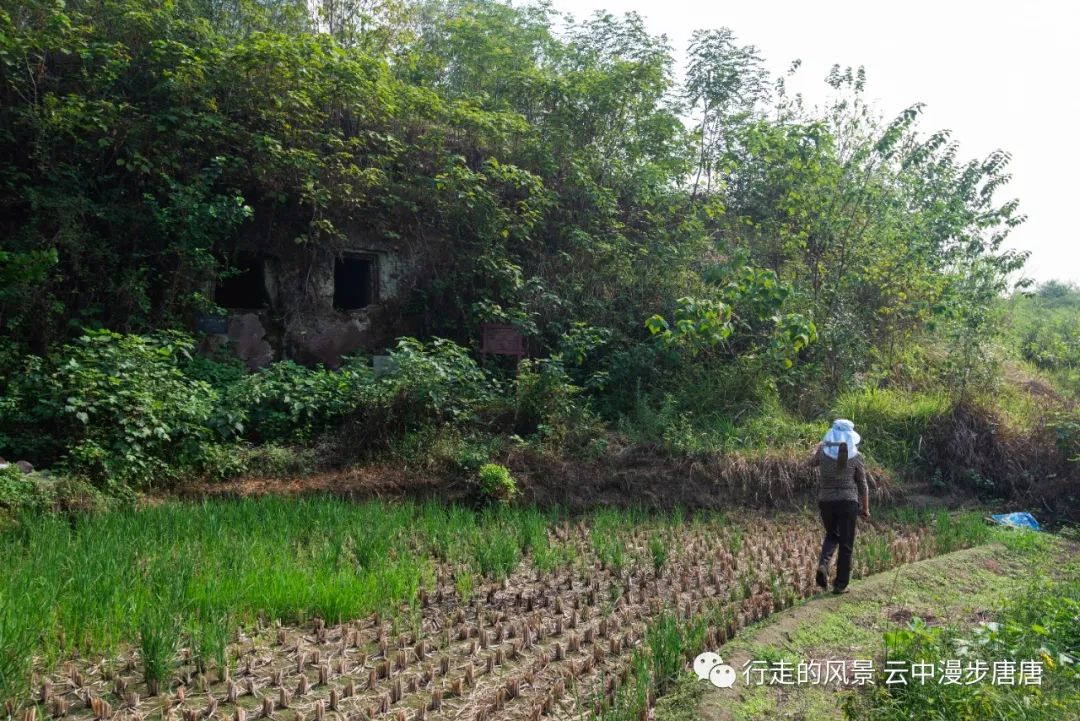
{"x":704,"y":663}
{"x":722,"y":676}
{"x":710,"y":667}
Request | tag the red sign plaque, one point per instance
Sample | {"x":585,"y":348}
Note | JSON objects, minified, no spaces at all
{"x":501,"y":339}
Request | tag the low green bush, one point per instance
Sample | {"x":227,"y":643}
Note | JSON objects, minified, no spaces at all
{"x":1065,"y":425}
{"x":286,"y":402}
{"x":39,"y":493}
{"x":221,"y":461}
{"x":434,"y":382}
{"x":550,"y":408}
{"x":114,"y":408}
{"x":496,"y":483}
{"x":131,"y":411}
{"x":18,"y":491}
{"x":757,"y":422}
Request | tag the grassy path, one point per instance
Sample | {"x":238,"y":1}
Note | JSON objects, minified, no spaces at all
{"x":958,"y":589}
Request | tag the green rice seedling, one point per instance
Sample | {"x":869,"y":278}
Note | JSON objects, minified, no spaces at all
{"x":545,"y":559}
{"x":464,"y":585}
{"x":617,"y":558}
{"x":665,"y":642}
{"x":962,"y":530}
{"x":496,"y":554}
{"x":736,"y":541}
{"x":631,"y":701}
{"x":659,"y":551}
{"x":16,"y":641}
{"x":157,"y":645}
{"x":208,"y":633}
{"x":214,"y":566}
{"x":746,"y":585}
{"x":415,"y":616}
{"x":533,"y":530}
{"x":615,"y":592}
{"x":904,"y":515}
{"x":874,"y":552}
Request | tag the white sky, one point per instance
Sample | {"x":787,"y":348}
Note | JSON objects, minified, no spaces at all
{"x":997,"y":74}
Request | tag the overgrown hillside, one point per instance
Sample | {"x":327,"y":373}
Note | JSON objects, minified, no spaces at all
{"x":704,"y":270}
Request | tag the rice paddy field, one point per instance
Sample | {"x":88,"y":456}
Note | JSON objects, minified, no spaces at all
{"x":299,"y":609}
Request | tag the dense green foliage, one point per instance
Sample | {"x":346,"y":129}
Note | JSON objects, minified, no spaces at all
{"x":1047,"y":333}
{"x":128,"y":411}
{"x":116,"y":407}
{"x":704,"y":264}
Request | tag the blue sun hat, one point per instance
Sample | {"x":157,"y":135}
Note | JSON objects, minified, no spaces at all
{"x":841,"y":431}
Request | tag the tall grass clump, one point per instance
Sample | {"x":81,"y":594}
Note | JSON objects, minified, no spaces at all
{"x":158,"y":638}
{"x":18,"y":629}
{"x":962,"y":530}
{"x":658,"y":550}
{"x":895,"y":422}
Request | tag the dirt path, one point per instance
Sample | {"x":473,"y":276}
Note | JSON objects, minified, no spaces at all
{"x":961,"y":588}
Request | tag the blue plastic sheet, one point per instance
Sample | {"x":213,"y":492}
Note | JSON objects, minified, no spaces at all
{"x":1020,"y":519}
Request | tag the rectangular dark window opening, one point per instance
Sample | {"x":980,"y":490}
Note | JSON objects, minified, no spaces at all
{"x":354,"y":282}
{"x":242,"y":285}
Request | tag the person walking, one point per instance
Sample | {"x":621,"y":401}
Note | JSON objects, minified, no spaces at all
{"x":843,"y":495}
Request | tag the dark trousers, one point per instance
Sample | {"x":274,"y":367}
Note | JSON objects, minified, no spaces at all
{"x":839,"y":519}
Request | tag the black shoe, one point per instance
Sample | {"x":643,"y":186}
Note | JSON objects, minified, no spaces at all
{"x":838,"y":591}
{"x":822,"y":577}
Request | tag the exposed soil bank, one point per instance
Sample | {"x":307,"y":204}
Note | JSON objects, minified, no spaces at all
{"x":967,"y":457}
{"x":634,"y":477}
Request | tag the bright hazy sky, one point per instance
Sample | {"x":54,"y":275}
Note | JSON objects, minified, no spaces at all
{"x":997,"y":74}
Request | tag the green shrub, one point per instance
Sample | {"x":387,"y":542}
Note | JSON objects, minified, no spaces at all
{"x":221,"y":461}
{"x":274,"y":460}
{"x":17,"y":490}
{"x":471,"y":458}
{"x":496,"y":482}
{"x":689,"y":426}
{"x":549,"y":406}
{"x":114,"y":408}
{"x":647,"y":422}
{"x":220,"y":370}
{"x":38,"y":493}
{"x":434,"y":382}
{"x":422,"y":407}
{"x":471,"y":455}
{"x":1065,"y":425}
{"x":632,"y":371}
{"x":286,"y":402}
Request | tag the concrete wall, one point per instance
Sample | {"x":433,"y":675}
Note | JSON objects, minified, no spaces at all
{"x":301,"y":323}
